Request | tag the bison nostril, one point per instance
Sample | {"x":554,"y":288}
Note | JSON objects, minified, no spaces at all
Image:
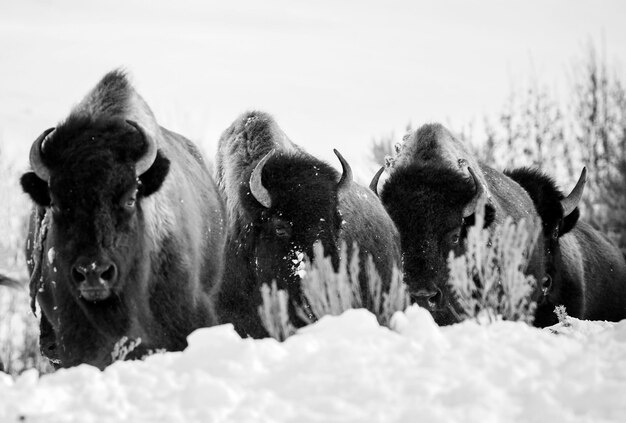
{"x":109,"y":274}
{"x":94,"y":273}
{"x":546,"y":284}
{"x":432,"y":299}
{"x":77,"y":275}
{"x":435,"y":300}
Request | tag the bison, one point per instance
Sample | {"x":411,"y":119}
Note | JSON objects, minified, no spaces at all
{"x":585,"y":271}
{"x":431,"y":194}
{"x":127,"y":231}
{"x":280,"y":201}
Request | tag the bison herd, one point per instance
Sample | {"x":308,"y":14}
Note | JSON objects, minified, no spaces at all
{"x":131,"y":237}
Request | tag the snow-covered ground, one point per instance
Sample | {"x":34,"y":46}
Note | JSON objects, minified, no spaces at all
{"x":349,"y":369}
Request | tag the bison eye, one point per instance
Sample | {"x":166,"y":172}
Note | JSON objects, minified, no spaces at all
{"x":283,"y":232}
{"x":129,"y":201}
{"x":282,"y":228}
{"x":555,"y":233}
{"x":546,"y":284}
{"x":454,"y":236}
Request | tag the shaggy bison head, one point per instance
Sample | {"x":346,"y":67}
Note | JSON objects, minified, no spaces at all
{"x":559,"y":214}
{"x":292,"y":198}
{"x":432,"y":207}
{"x":91,"y":175}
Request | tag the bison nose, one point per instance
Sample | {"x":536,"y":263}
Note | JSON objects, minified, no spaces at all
{"x":94,"y":279}
{"x":430,"y":299}
{"x":96,"y":272}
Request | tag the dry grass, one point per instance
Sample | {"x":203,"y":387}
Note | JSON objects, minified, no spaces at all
{"x":274,"y":314}
{"x":326,"y":292}
{"x":19,"y":332}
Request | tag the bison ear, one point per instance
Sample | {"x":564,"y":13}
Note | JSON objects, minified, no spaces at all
{"x":152,"y":179}
{"x":569,"y":221}
{"x":37,"y":188}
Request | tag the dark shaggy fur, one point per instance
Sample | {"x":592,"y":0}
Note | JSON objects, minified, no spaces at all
{"x":166,"y":247}
{"x":417,"y":197}
{"x":266,"y":244}
{"x":304,"y":210}
{"x":303,"y":190}
{"x":587,"y":271}
{"x":425,"y":196}
{"x":446,"y":187}
{"x":70,"y":151}
{"x":547,"y":198}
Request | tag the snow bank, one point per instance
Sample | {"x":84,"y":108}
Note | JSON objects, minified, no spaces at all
{"x":349,"y":369}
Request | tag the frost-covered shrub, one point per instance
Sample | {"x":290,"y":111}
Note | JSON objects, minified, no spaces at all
{"x":489,"y":280}
{"x":326,"y":292}
{"x":19,"y":332}
{"x":274,"y":314}
{"x":562,"y":315}
{"x":585,"y":128}
{"x":123,"y":347}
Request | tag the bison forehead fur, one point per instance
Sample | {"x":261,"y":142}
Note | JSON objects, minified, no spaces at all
{"x":156,"y":236}
{"x":423,"y":188}
{"x":80,"y":137}
{"x":92,"y":163}
{"x":303,"y":191}
{"x":426,"y":203}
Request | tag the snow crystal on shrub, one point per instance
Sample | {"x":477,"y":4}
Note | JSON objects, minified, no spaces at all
{"x":489,"y":280}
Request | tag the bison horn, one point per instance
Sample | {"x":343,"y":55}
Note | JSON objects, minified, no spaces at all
{"x":470,"y":208}
{"x":570,"y":202}
{"x":259,"y":192}
{"x":145,"y":162}
{"x":346,"y":176}
{"x":36,"y":162}
{"x":374,"y":183}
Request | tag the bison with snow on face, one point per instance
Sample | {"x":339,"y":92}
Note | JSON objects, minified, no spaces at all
{"x":431,"y":194}
{"x":280,"y":201}
{"x":127,"y":234}
{"x":585,"y":271}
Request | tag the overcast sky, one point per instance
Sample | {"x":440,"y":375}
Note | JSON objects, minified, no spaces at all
{"x":333,"y":73}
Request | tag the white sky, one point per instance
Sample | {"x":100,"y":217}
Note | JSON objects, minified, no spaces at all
{"x":333,"y":73}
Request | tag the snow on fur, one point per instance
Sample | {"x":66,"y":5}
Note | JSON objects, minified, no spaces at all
{"x":350,"y":369}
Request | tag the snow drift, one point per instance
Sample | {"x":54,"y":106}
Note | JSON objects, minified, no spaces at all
{"x":349,"y":369}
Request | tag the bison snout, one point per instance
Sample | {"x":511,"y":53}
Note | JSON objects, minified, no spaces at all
{"x":94,"y":279}
{"x":431,"y":299}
